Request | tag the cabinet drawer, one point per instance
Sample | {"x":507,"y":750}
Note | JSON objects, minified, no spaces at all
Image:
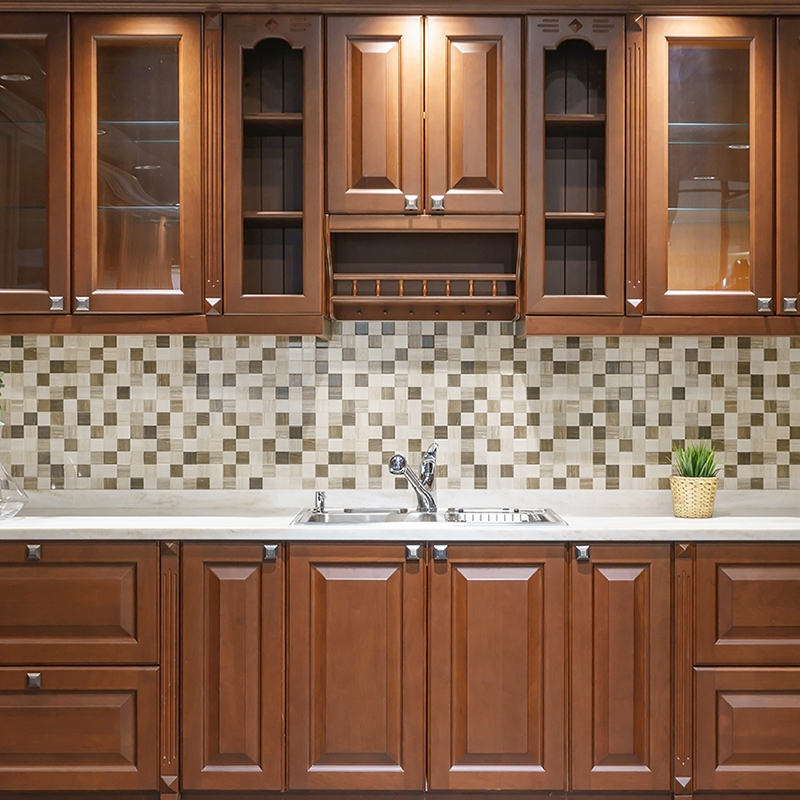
{"x":78,"y":603}
{"x":748,"y":604}
{"x":82,"y":728}
{"x":748,"y":729}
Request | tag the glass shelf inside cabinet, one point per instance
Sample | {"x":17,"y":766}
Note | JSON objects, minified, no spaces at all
{"x":735,"y":135}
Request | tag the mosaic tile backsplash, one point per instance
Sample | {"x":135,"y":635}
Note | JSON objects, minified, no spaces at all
{"x":215,"y":412}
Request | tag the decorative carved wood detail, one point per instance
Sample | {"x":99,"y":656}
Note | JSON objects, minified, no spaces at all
{"x":635,"y":168}
{"x":170,"y":666}
{"x":683,"y":616}
{"x":212,"y":159}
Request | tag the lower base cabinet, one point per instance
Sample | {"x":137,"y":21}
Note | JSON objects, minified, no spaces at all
{"x":77,"y":729}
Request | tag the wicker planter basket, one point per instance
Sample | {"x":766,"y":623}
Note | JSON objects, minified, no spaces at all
{"x":693,"y":497}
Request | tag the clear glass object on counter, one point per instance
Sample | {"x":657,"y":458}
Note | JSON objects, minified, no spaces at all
{"x":12,"y":497}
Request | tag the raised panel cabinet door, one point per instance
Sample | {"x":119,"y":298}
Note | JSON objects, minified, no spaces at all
{"x":232,"y":680}
{"x":375,"y":122}
{"x":356,"y":668}
{"x":496,"y":668}
{"x":35,"y":164}
{"x":473,"y":107}
{"x":79,"y":603}
{"x":747,"y":723}
{"x":747,"y":604}
{"x":620,"y":671}
{"x":273,"y":141}
{"x":78,"y":728}
{"x":137,"y":164}
{"x":709,"y":165}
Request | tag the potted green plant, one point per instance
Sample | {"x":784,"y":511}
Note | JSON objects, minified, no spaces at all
{"x":694,"y":484}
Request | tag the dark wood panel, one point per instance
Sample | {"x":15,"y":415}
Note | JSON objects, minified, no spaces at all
{"x":473,"y":106}
{"x":748,"y":729}
{"x":169,"y":672}
{"x":620,"y":698}
{"x":356,"y":667}
{"x":79,"y":603}
{"x":683,"y":607}
{"x":374,"y":133}
{"x":496,"y":661}
{"x":748,"y":604}
{"x":232,"y":688}
{"x":84,"y":728}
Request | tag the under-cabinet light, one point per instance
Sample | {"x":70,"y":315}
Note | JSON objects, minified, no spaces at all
{"x":15,"y":76}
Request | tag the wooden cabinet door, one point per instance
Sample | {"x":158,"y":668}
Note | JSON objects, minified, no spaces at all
{"x":747,"y":724}
{"x":137,"y":164}
{"x":356,"y":668}
{"x":575,"y":166}
{"x":78,"y":728}
{"x":788,"y":176}
{"x":35,"y":163}
{"x":78,"y":603}
{"x":496,"y":669}
{"x":273,"y":164}
{"x":374,"y":114}
{"x":232,"y":687}
{"x":473,"y":107}
{"x":709,"y":165}
{"x":620,"y":704}
{"x":748,"y":604}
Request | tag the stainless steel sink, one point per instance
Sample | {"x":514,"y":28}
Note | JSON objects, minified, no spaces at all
{"x":472,"y":516}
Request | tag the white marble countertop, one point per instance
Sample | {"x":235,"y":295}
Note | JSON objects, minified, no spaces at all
{"x":591,"y":516}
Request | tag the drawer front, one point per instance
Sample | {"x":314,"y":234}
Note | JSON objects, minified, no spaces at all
{"x":748,"y":729}
{"x":748,"y":604}
{"x":78,"y":603}
{"x":79,"y":728}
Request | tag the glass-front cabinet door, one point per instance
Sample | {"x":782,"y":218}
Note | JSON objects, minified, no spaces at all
{"x":136,"y":115}
{"x":709,"y":165}
{"x":34,"y":163}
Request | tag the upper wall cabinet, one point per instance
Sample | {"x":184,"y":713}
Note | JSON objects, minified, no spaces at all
{"x":575,"y":167}
{"x":433,"y":128}
{"x":137,"y":164}
{"x":710,"y":165}
{"x":788,"y":176}
{"x":273,"y":164}
{"x":34,"y":162}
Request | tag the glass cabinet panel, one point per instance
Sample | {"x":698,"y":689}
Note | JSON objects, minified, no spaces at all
{"x":33,"y":163}
{"x":137,"y":164}
{"x":709,"y":166}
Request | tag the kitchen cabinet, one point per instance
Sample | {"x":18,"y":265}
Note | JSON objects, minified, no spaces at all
{"x":747,"y":667}
{"x":79,"y":677}
{"x":424,"y":115}
{"x":356,"y":667}
{"x":575,"y":261}
{"x":232,"y":640}
{"x":620,"y":668}
{"x":496,"y":667}
{"x":34,"y":160}
{"x":137,"y":164}
{"x":710,"y":150}
{"x":273,"y":164}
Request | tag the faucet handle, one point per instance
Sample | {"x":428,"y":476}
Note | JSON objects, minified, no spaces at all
{"x":397,"y":464}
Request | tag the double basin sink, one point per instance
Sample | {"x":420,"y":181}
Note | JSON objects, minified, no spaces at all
{"x":473,"y":516}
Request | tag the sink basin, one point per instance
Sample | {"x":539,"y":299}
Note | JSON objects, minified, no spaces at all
{"x":472,"y":516}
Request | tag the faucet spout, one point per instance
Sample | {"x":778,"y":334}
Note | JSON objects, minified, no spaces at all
{"x":423,"y":485}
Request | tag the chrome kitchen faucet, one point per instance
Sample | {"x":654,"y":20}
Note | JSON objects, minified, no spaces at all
{"x":423,"y":485}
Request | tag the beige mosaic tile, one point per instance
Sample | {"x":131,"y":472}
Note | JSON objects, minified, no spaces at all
{"x":255,"y":412}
